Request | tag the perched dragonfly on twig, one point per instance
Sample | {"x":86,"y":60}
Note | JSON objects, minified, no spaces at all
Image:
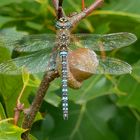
{"x":39,"y":59}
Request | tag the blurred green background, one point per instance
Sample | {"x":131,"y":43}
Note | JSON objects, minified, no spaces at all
{"x":106,"y":107}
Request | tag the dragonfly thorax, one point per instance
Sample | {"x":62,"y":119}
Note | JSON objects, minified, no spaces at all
{"x":63,"y":23}
{"x":63,"y":37}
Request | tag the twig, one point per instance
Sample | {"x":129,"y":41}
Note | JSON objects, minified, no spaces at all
{"x":75,"y":19}
{"x":55,"y":4}
{"x":60,"y":3}
{"x":83,"y":5}
{"x":34,"y":108}
{"x":19,"y":106}
{"x":95,"y":5}
{"x":18,"y":109}
{"x":58,"y":8}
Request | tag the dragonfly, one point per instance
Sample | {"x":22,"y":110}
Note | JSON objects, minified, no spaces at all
{"x":42,"y":52}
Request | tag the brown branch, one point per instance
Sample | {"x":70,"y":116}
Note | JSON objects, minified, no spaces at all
{"x":34,"y":108}
{"x":18,"y":109}
{"x":58,"y":8}
{"x":55,"y":4}
{"x":19,"y":106}
{"x":90,"y":9}
{"x":60,"y":3}
{"x":75,"y":19}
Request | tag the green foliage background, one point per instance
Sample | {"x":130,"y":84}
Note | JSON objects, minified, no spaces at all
{"x":106,"y":107}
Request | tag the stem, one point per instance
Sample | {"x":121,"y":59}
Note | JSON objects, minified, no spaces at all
{"x":55,"y":4}
{"x":19,"y":106}
{"x":34,"y":108}
{"x":83,"y":5}
{"x":58,"y":8}
{"x":92,"y":7}
{"x":75,"y":19}
{"x":60,"y":2}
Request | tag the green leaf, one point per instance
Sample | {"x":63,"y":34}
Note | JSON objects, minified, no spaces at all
{"x":32,"y":137}
{"x":2,"y":112}
{"x":4,"y":20}
{"x":6,"y":2}
{"x":136,"y":71}
{"x":30,"y":80}
{"x":9,"y":131}
{"x":11,"y":86}
{"x":131,"y":7}
{"x":34,"y":25}
{"x":34,"y":81}
{"x":130,"y":84}
{"x":92,"y":88}
{"x":88,"y":121}
{"x":25,"y":76}
{"x":46,"y":125}
{"x":118,"y":8}
{"x":125,"y":125}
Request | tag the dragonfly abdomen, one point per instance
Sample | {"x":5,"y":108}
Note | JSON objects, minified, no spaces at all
{"x":63,"y":55}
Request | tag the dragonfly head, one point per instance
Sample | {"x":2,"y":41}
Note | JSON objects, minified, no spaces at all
{"x":63,"y":23}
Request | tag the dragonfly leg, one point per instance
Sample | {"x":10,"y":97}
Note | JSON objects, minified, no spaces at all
{"x":53,"y":56}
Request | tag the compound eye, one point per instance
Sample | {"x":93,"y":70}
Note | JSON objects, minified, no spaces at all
{"x":57,"y":25}
{"x":61,"y":19}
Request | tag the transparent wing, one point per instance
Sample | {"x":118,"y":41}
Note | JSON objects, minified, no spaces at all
{"x":112,"y":66}
{"x":107,"y":66}
{"x":27,"y":43}
{"x":34,"y":63}
{"x":103,"y":42}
